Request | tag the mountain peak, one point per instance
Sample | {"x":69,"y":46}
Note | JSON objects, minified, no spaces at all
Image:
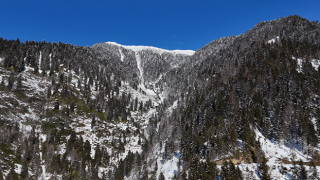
{"x":159,"y":50}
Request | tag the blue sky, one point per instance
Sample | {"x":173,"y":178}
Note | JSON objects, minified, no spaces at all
{"x":174,"y":24}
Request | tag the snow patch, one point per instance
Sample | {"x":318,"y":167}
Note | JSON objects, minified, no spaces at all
{"x":121,"y":54}
{"x":139,"y":67}
{"x":276,"y":151}
{"x":273,"y":40}
{"x":315,"y":63}
{"x":18,"y":168}
{"x":168,"y":167}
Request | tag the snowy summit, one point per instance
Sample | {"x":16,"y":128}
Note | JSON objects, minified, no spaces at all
{"x":159,"y":50}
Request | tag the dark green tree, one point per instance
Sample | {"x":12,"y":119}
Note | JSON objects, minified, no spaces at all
{"x":263,"y":169}
{"x":161,"y":176}
{"x":313,"y":171}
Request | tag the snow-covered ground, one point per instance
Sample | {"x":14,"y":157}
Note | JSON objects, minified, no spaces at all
{"x":37,"y":86}
{"x":168,"y":167}
{"x":276,"y":152}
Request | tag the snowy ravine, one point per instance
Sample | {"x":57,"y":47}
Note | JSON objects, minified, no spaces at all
{"x":139,"y":65}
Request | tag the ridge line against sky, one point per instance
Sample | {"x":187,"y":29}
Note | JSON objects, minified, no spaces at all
{"x":164,"y":24}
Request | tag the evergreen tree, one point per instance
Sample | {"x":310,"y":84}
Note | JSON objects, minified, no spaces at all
{"x":313,"y":171}
{"x":24,"y":170}
{"x":1,"y":175}
{"x":19,"y":83}
{"x":299,"y":172}
{"x":12,"y":175}
{"x":56,"y":104}
{"x":303,"y":175}
{"x":229,"y":171}
{"x":263,"y":169}
{"x":161,"y":176}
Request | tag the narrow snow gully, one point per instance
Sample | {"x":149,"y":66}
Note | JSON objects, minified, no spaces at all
{"x":121,"y":54}
{"x":139,"y":65}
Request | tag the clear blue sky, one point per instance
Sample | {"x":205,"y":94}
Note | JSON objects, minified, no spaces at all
{"x":168,"y":24}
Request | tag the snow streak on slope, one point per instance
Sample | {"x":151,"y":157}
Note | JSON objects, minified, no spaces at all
{"x":139,"y":67}
{"x":121,"y":54}
{"x":315,"y":63}
{"x":158,"y":50}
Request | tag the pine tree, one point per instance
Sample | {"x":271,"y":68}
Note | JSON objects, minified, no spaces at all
{"x":161,"y":176}
{"x":87,"y":150}
{"x":24,"y":170}
{"x":93,"y":121}
{"x":212,"y":169}
{"x":263,"y":169}
{"x":11,"y":81}
{"x":229,"y":171}
{"x":12,"y":175}
{"x":184,"y":176}
{"x":19,"y":83}
{"x":302,"y":172}
{"x":313,"y":171}
{"x":56,"y":104}
{"x":97,"y":155}
{"x":49,"y":92}
{"x":1,"y":175}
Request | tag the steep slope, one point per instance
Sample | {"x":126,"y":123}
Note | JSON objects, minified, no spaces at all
{"x":148,"y":63}
{"x":153,"y":61}
{"x":238,"y":85}
{"x":136,"y":112}
{"x":63,"y":105}
{"x":87,"y":108}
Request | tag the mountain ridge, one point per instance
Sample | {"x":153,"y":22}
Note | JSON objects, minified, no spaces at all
{"x":159,"y":50}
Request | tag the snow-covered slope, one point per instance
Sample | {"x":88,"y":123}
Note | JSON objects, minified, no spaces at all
{"x":158,"y":50}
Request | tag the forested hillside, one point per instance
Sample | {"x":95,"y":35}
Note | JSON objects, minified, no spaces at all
{"x":241,"y":107}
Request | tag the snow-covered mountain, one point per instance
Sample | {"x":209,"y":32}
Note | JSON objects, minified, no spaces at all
{"x":241,"y":107}
{"x":149,"y":64}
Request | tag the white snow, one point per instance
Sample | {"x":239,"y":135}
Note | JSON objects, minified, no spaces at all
{"x":159,"y":50}
{"x":18,"y":168}
{"x":171,"y":108}
{"x":315,"y":63}
{"x":273,"y":40}
{"x":139,"y":67}
{"x":121,"y":54}
{"x":40,"y":58}
{"x":168,"y":167}
{"x":299,"y":64}
{"x":148,"y":92}
{"x":275,"y":151}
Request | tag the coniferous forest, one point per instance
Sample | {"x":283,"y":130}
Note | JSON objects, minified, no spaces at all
{"x":241,"y":107}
